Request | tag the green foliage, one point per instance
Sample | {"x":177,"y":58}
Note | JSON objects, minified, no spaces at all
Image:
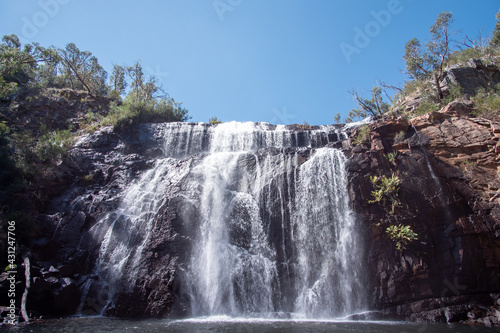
{"x":53,"y":147}
{"x":399,"y":136}
{"x":363,"y":135}
{"x":143,"y":104}
{"x":336,"y":118}
{"x":118,"y":82}
{"x":495,"y":40}
{"x":386,"y":189}
{"x":133,"y":112}
{"x":454,"y":92}
{"x":214,"y":121}
{"x":462,"y":56}
{"x":50,"y":149}
{"x":49,"y":67}
{"x":417,"y":65}
{"x":23,"y":156}
{"x":429,"y":63}
{"x":87,"y":179}
{"x":17,"y":65}
{"x":91,"y":117}
{"x":425,"y":107}
{"x":305,"y":125}
{"x":140,"y":90}
{"x":82,"y":70}
{"x":114,"y":95}
{"x":469,"y":165}
{"x":7,"y":88}
{"x":368,"y":107}
{"x":30,"y":156}
{"x":487,"y":103}
{"x":391,"y":157}
{"x":415,"y":86}
{"x":401,"y":235}
{"x":4,"y":129}
{"x":428,"y":100}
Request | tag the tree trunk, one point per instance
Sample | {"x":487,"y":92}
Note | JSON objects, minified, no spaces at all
{"x":27,"y":275}
{"x":438,"y":88}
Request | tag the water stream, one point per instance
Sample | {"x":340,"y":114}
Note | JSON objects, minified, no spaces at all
{"x":273,"y":237}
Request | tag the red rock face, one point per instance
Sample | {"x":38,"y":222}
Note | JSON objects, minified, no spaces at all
{"x":448,"y":163}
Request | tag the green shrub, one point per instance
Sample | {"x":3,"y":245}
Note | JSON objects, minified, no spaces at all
{"x":153,"y":111}
{"x":7,"y":88}
{"x":214,"y":121}
{"x":455,"y":91}
{"x":425,"y":107}
{"x":487,"y":103}
{"x":401,"y":235}
{"x":414,"y":86}
{"x":363,"y":135}
{"x":399,"y":136}
{"x":87,"y":179}
{"x":4,"y":129}
{"x":423,"y":88}
{"x":386,"y":189}
{"x":305,"y":126}
{"x":486,"y":54}
{"x":24,"y":157}
{"x":115,"y":95}
{"x":91,"y":117}
{"x":469,"y":165}
{"x":54,"y":146}
{"x":391,"y":157}
{"x":462,"y":56}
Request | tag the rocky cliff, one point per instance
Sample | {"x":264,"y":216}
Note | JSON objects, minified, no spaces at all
{"x":449,"y":166}
{"x":450,"y":196}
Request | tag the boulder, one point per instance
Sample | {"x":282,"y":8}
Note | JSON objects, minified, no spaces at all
{"x":473,"y":76}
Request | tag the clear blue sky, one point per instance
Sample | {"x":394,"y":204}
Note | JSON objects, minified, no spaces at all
{"x":278,"y":61}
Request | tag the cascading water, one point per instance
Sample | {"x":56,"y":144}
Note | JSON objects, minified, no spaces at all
{"x":328,"y":247}
{"x":273,"y":233}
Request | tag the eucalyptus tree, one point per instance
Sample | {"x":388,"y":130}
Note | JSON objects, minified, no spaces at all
{"x":429,"y":62}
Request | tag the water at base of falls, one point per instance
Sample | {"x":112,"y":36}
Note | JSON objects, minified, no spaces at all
{"x":226,"y":325}
{"x":273,"y":232}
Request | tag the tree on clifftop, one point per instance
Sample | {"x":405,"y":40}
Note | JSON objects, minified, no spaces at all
{"x":82,"y":70}
{"x":429,"y":63}
{"x":117,"y":81}
{"x":495,"y":40}
{"x":367,"y":107}
{"x":17,"y":64}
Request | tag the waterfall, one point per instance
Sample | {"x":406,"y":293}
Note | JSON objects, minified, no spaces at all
{"x":328,"y":247}
{"x":273,"y":232}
